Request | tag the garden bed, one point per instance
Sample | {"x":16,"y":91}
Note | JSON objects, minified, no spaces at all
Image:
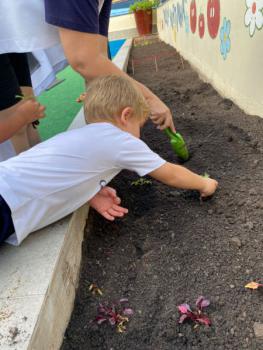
{"x":172,"y":248}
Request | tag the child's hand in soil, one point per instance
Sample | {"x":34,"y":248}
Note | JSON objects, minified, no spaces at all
{"x":209,"y":187}
{"x":107,"y":203}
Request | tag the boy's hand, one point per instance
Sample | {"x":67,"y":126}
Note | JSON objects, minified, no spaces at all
{"x":209,"y":187}
{"x":160,"y":114}
{"x":106,"y":202}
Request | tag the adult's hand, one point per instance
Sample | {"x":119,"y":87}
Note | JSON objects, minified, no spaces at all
{"x":160,"y":113}
{"x":86,"y":53}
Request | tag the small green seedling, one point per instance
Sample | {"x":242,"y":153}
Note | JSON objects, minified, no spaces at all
{"x":29,"y":97}
{"x":141,"y":182}
{"x":206,"y":176}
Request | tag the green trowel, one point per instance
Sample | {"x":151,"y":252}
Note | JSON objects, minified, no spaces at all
{"x":178,"y":144}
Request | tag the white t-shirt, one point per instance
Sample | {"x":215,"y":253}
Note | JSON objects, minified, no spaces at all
{"x":23,"y":29}
{"x":56,"y":177}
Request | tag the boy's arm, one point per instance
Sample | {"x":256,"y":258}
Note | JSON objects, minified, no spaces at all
{"x":180,"y":177}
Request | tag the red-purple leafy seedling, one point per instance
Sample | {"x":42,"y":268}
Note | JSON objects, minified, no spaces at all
{"x":197,"y":316}
{"x":116,"y":314}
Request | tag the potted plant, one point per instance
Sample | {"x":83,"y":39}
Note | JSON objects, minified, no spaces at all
{"x":143,"y":15}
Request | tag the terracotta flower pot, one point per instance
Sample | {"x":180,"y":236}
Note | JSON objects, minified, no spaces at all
{"x":143,"y":21}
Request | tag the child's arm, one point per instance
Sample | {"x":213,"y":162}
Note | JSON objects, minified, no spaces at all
{"x":180,"y":177}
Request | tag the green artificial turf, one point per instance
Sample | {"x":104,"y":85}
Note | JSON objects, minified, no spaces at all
{"x":60,"y":102}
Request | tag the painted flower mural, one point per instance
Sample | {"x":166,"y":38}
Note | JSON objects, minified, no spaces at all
{"x":225,"y":38}
{"x":254,"y":15}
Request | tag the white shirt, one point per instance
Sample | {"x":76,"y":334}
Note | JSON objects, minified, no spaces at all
{"x":23,"y":29}
{"x":56,"y":177}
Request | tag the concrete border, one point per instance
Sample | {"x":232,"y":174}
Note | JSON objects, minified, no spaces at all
{"x":37,"y":285}
{"x":59,"y":299}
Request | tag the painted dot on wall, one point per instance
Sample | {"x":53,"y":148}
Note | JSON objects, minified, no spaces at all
{"x":201,"y":25}
{"x":193,"y":16}
{"x":213,"y":17}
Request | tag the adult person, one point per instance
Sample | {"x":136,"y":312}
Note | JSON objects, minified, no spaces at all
{"x":83,"y":29}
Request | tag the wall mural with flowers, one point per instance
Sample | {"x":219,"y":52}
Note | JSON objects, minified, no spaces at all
{"x":223,"y":42}
{"x":184,"y":13}
{"x":176,"y":16}
{"x":181,"y":13}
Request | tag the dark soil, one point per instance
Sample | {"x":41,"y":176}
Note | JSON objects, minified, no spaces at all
{"x":171,"y":248}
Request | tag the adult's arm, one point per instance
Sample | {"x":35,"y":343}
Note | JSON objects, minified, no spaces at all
{"x":83,"y":51}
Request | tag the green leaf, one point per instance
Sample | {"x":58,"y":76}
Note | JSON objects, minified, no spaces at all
{"x":144,"y":5}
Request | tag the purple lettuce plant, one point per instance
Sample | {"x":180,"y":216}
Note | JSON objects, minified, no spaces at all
{"x":116,"y":314}
{"x":197,"y":316}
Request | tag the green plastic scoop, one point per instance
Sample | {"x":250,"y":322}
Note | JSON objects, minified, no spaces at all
{"x":178,"y":144}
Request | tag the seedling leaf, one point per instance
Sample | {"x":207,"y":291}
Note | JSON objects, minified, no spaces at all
{"x":204,"y":320}
{"x":124,"y":300}
{"x":184,"y":308}
{"x":201,"y":302}
{"x":182,"y":318}
{"x":141,"y":182}
{"x":29,"y":97}
{"x":127,"y":311}
{"x":206,"y":175}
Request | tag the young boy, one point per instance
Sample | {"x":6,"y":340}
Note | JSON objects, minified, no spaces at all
{"x":56,"y":177}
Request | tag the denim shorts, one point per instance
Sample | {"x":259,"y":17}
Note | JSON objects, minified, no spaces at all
{"x":6,"y":222}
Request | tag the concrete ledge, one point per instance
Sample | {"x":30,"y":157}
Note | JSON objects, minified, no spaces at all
{"x":37,"y":285}
{"x":122,"y":57}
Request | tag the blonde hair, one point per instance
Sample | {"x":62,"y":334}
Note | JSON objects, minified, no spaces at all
{"x":107,"y":97}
